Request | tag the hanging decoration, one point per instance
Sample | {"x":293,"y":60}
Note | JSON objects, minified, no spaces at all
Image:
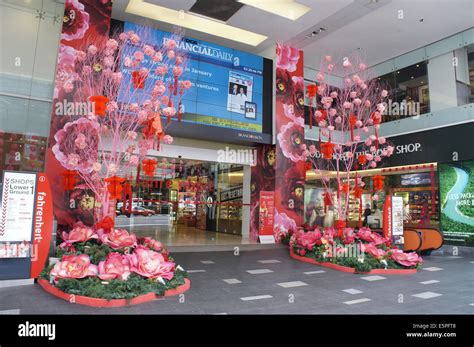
{"x":327,"y":150}
{"x":149,"y":167}
{"x":69,"y":179}
{"x":99,"y":104}
{"x":114,"y":187}
{"x":378,"y":181}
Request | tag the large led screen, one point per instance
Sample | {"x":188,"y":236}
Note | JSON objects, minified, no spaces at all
{"x":456,"y":184}
{"x":227,"y":84}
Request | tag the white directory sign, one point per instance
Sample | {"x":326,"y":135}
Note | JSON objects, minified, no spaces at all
{"x":397,"y":220}
{"x":18,"y":203}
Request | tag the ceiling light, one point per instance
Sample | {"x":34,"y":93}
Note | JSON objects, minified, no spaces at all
{"x":284,"y":8}
{"x":193,"y":22}
{"x":417,"y":65}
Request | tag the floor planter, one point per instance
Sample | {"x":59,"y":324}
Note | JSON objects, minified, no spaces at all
{"x":352,"y":270}
{"x":98,"y":302}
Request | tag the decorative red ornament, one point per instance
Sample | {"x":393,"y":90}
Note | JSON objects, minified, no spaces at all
{"x":357,"y":192}
{"x":139,"y":79}
{"x":378,"y":182}
{"x":99,"y":102}
{"x":327,"y":200}
{"x":345,"y":188}
{"x":352,"y":123}
{"x":324,"y":115}
{"x":69,"y":179}
{"x":149,"y":167}
{"x":106,"y":223}
{"x":114,"y":186}
{"x":308,"y":165}
{"x":340,"y":225}
{"x":327,"y":149}
{"x":362,"y":159}
{"x":311,"y":90}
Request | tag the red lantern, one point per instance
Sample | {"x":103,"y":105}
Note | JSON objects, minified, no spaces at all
{"x":376,"y":118}
{"x":324,"y":115}
{"x":139,"y":79}
{"x":99,"y":102}
{"x":308,"y":165}
{"x":114,"y":186}
{"x":378,"y":182}
{"x":327,"y":149}
{"x":357,"y":192}
{"x":327,"y":200}
{"x":352,"y":123}
{"x":149,"y":167}
{"x":69,"y":179}
{"x":362,"y":159}
{"x":345,"y":188}
{"x":340,"y":225}
{"x":311,"y":90}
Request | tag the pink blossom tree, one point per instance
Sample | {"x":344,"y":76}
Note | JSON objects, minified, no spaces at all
{"x":130,"y":84}
{"x":348,"y":118}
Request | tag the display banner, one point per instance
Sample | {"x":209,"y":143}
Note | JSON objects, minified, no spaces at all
{"x":231,"y":194}
{"x":18,"y":202}
{"x":456,"y":187}
{"x":85,"y":23}
{"x":393,"y":219}
{"x":266,"y":217}
{"x":42,"y":226}
{"x":290,"y":168}
{"x":387,"y":217}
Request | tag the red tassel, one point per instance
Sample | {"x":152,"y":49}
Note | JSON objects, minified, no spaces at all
{"x":175,"y":91}
{"x":179,"y":112}
{"x":376,"y":139}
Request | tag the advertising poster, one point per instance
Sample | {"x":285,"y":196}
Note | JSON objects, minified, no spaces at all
{"x":227,"y":84}
{"x":267,"y":216}
{"x":456,"y":186}
{"x":18,"y":203}
{"x":397,"y":220}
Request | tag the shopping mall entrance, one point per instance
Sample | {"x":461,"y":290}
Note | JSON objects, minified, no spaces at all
{"x":185,"y":203}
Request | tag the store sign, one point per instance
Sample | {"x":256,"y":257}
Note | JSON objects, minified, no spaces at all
{"x":231,"y":194}
{"x":26,"y":220}
{"x":267,"y":216}
{"x":18,"y":202}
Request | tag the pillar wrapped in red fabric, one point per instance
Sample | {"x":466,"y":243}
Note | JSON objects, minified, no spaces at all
{"x":149,"y":167}
{"x":99,"y":102}
{"x":114,"y":186}
{"x":378,"y":182}
{"x":327,"y":149}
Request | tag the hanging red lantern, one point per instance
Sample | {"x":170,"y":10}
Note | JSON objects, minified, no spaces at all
{"x":114,"y":187}
{"x":357,"y":192}
{"x":377,"y":119}
{"x":139,"y":79}
{"x":327,"y":199}
{"x":378,"y":182}
{"x":311,"y":90}
{"x":99,"y":102}
{"x":340,"y":225}
{"x":323,"y":116}
{"x":327,"y":149}
{"x":69,"y":179}
{"x":352,"y":123}
{"x":362,"y":159}
{"x":308,"y":165}
{"x":149,"y":167}
{"x":345,"y":188}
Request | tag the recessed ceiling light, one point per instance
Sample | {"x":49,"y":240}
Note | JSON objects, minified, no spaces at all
{"x":417,"y":65}
{"x":193,"y":22}
{"x":289,"y":9}
{"x":398,"y":71}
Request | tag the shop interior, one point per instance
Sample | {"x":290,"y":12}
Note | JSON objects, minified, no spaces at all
{"x":416,"y":184}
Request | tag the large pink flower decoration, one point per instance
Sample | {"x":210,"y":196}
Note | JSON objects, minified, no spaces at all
{"x":291,"y":139}
{"x":79,"y":233}
{"x":309,"y":239}
{"x":151,"y":264}
{"x":365,"y":234}
{"x":283,"y":225}
{"x":405,"y":259}
{"x":74,"y":266}
{"x":66,"y":73}
{"x":116,"y":265}
{"x":71,"y":156}
{"x":154,"y":244}
{"x":372,"y":250}
{"x":287,"y":57}
{"x":75,"y":21}
{"x":118,"y":238}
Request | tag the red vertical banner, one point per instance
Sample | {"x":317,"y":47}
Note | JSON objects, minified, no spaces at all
{"x":85,"y":23}
{"x":42,"y":225}
{"x":266,"y":216}
{"x":387,"y":217}
{"x":290,"y":146}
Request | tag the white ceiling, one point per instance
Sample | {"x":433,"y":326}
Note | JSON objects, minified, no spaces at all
{"x":371,"y":26}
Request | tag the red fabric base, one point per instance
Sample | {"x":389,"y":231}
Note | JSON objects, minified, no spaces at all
{"x":98,"y":302}
{"x":352,"y":270}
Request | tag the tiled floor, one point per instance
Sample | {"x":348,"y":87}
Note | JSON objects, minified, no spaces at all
{"x":248,"y":284}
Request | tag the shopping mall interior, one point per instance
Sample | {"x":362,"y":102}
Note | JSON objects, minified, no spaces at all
{"x":279,"y":133}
